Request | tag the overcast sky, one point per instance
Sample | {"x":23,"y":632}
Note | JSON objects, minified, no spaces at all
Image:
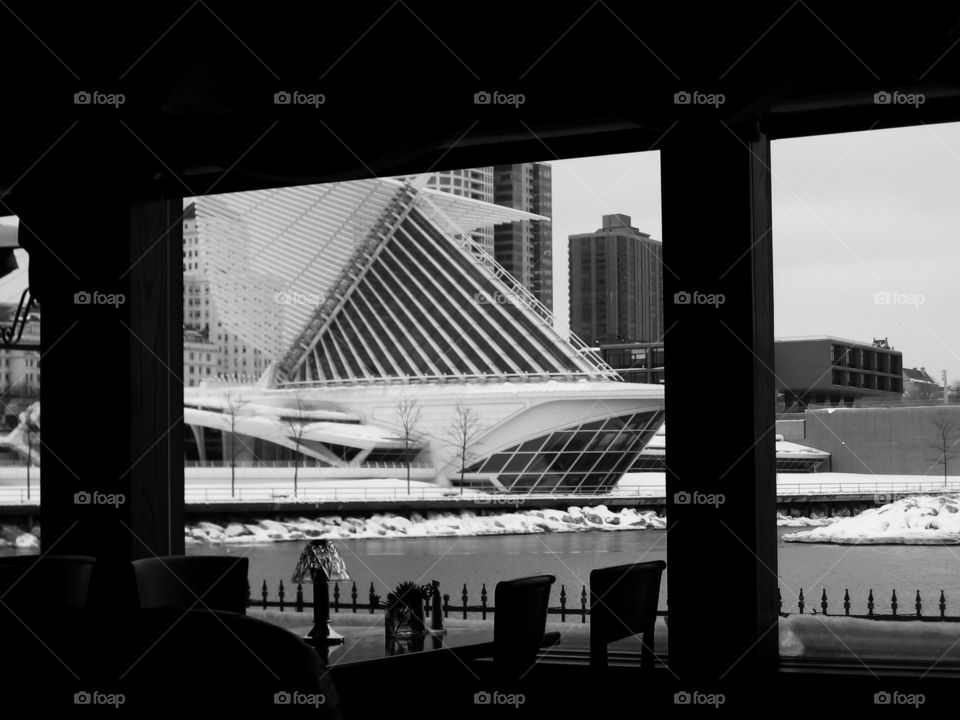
{"x":855,"y":215}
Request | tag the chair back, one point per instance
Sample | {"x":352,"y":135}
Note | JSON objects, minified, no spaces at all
{"x":520,"y":620}
{"x":623,"y":603}
{"x":46,"y":582}
{"x":214,"y":582}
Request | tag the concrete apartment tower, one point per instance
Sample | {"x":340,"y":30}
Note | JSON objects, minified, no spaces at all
{"x":616,"y":279}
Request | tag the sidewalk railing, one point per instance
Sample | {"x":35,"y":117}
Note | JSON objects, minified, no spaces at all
{"x":399,"y":494}
{"x":934,"y":486}
{"x":354,"y":491}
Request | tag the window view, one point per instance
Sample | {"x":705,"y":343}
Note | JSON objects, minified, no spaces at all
{"x":868,"y":416}
{"x":455,"y":377}
{"x":19,"y":398}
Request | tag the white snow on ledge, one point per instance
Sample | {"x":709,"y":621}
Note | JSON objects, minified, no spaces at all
{"x":855,"y":639}
{"x":461,"y":524}
{"x":917,"y":520}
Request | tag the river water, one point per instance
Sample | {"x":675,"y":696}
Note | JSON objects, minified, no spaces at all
{"x":475,"y":561}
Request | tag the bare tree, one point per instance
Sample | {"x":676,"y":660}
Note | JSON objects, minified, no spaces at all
{"x":297,"y":422}
{"x":926,"y":391}
{"x":463,"y":435}
{"x":947,"y":433}
{"x":408,"y":420}
{"x":32,"y":429}
{"x":233,"y":406}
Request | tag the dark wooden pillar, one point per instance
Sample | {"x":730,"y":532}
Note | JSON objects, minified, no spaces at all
{"x":721,"y":481}
{"x":107,"y":270}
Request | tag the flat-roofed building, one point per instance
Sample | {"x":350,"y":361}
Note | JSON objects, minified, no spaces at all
{"x":833,"y":371}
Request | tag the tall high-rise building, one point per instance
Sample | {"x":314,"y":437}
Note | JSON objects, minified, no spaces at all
{"x":525,"y":248}
{"x":616,"y":277}
{"x":210,"y":350}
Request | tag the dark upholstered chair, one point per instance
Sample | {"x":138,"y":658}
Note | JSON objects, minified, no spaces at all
{"x":207,"y":660}
{"x":165,"y":661}
{"x":623,"y":603}
{"x":46,"y":582}
{"x":519,"y":624}
{"x":202,"y":582}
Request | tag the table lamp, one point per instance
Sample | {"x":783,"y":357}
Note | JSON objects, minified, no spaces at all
{"x":319,"y":564}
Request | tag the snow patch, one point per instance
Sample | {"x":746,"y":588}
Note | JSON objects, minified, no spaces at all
{"x":916,"y":520}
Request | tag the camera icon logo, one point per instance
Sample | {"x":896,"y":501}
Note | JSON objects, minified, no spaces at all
{"x":82,"y":498}
{"x":482,"y":98}
{"x":282,"y":97}
{"x":682,"y":98}
{"x":82,"y":98}
{"x":682,"y":298}
{"x":882,"y":98}
{"x":82,"y":698}
{"x":282,"y":698}
{"x":482,"y":698}
{"x":82,"y":298}
{"x":682,"y":698}
{"x":681,"y":498}
{"x":882,"y":698}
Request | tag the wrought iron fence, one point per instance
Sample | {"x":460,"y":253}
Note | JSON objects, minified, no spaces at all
{"x":874,"y":609}
{"x":578,"y":606}
{"x":568,"y":607}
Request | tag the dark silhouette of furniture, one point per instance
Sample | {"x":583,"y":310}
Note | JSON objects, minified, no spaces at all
{"x":212,"y":659}
{"x":203,"y":582}
{"x":31,"y":583}
{"x":519,"y":625}
{"x":44,"y":610}
{"x":623,"y":603}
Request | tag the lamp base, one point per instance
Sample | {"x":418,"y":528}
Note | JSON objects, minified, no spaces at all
{"x":333,"y":637}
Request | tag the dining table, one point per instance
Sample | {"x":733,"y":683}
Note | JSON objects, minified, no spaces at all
{"x":362,"y":643}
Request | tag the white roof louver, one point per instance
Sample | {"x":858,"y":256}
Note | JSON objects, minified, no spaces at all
{"x":376,"y":280}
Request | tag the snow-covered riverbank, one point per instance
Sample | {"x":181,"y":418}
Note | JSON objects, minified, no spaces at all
{"x":463,"y":523}
{"x":916,"y":520}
